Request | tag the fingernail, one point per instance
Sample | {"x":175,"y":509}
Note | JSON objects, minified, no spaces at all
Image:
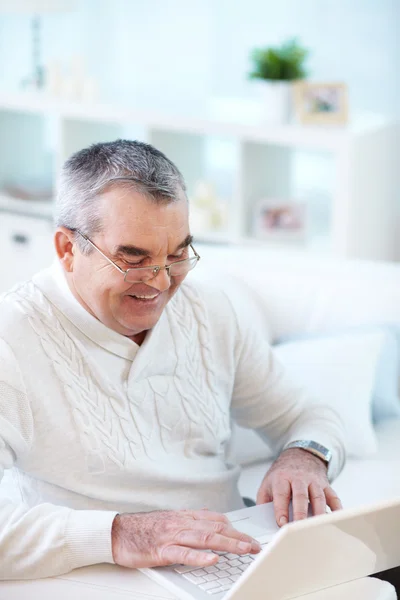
{"x":283,"y":521}
{"x":210,"y":557}
{"x":245,"y":546}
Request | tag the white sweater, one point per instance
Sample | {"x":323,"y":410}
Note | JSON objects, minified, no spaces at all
{"x":91,"y":424}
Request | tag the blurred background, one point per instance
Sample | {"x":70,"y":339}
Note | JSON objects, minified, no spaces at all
{"x":303,"y":154}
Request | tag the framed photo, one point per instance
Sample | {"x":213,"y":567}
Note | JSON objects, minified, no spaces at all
{"x":280,"y":221}
{"x":321,"y":103}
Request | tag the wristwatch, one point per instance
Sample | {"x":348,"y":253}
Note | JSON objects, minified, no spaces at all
{"x":317,"y":449}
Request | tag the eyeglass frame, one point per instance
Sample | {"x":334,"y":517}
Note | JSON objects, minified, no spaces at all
{"x":155,"y":268}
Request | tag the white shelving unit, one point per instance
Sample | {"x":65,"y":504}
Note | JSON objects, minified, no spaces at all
{"x":38,"y":133}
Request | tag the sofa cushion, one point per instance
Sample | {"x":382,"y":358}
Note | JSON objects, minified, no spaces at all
{"x":340,"y":372}
{"x":385,"y":398}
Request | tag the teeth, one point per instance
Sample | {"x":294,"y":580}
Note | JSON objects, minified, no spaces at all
{"x":145,"y":297}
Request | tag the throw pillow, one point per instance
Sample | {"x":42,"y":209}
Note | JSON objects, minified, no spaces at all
{"x":340,"y":371}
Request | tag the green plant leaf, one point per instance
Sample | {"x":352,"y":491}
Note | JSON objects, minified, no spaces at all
{"x":285,"y":63}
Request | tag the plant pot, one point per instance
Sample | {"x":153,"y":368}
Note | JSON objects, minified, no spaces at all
{"x":277,"y":101}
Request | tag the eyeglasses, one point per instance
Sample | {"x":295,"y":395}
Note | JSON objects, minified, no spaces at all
{"x":179,"y":268}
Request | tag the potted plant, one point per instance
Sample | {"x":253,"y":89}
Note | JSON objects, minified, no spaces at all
{"x":279,"y":67}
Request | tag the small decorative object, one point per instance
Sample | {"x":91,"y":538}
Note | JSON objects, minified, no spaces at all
{"x":275,"y":220}
{"x":72,"y":83}
{"x":36,"y":8}
{"x":278,"y":67}
{"x":321,"y":103}
{"x":206,"y":211}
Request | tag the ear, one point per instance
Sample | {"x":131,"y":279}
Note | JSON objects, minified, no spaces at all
{"x":64,"y":241}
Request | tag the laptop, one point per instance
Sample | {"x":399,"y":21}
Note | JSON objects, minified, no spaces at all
{"x":300,"y":558}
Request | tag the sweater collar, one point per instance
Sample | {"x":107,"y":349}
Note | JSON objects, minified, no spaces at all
{"x":52,"y":282}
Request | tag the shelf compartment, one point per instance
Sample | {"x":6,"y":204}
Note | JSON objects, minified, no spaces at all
{"x":27,"y":154}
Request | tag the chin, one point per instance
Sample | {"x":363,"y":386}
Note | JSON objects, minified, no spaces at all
{"x":138,"y":327}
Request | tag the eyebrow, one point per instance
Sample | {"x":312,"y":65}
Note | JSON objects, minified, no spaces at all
{"x":137,"y":251}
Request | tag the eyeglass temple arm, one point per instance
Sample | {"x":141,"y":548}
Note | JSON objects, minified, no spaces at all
{"x":102,"y":253}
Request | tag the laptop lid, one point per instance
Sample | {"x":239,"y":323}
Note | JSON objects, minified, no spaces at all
{"x":310,"y":555}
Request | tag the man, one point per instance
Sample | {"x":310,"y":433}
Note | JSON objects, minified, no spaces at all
{"x":118,"y":382}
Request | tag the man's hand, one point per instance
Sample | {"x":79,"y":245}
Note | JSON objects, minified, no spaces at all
{"x":299,"y":476}
{"x":167,"y":537}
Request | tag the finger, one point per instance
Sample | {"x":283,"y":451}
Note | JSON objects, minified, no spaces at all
{"x":332,"y":499}
{"x":264,"y":494}
{"x":225,"y":530}
{"x":281,"y":494}
{"x":208,"y":540}
{"x":201,"y":515}
{"x":299,"y":499}
{"x":171,"y":555}
{"x":317,"y":499}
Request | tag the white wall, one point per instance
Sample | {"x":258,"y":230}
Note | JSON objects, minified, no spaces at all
{"x":180,"y":51}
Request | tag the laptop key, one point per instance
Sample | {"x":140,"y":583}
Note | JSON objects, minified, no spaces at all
{"x":235,"y":563}
{"x":210,"y":585}
{"x":246,"y":559}
{"x":199,"y":572}
{"x":183,"y":569}
{"x":210,"y":577}
{"x":234,"y":571}
{"x":226,"y":581}
{"x":193,"y":579}
{"x":211,"y":569}
{"x":223,"y":567}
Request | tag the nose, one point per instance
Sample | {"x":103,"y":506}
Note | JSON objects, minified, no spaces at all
{"x":161,"y":281}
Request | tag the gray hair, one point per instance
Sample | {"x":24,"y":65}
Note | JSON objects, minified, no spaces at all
{"x":93,"y":170}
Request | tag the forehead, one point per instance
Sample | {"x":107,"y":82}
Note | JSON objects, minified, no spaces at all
{"x":130,"y":218}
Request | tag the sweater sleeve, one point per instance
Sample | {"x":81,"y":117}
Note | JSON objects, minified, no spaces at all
{"x":265,"y":400}
{"x":45,"y":540}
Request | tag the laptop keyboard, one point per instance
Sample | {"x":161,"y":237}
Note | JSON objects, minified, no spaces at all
{"x":220,"y":577}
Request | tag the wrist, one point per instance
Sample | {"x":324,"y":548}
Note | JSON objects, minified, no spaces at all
{"x":301,"y":451}
{"x":313,"y":448}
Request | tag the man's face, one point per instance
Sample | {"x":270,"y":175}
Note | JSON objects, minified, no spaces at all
{"x":131,"y":222}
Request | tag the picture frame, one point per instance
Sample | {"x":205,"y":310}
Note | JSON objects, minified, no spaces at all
{"x":280,"y":221}
{"x":320,"y":103}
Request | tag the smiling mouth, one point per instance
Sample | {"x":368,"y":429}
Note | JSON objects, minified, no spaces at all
{"x":142,"y":297}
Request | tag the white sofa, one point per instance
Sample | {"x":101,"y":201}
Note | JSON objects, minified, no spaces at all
{"x":298,"y":295}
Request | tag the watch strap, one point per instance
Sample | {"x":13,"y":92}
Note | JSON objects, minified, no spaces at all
{"x":313,"y":447}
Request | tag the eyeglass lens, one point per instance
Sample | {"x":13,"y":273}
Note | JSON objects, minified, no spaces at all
{"x":177,"y":269}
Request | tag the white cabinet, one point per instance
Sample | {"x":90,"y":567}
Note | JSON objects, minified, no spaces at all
{"x":26,"y":246}
{"x":38,"y":133}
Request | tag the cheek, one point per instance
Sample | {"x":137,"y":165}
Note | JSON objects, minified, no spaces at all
{"x":104,"y":292}
{"x":175,"y":283}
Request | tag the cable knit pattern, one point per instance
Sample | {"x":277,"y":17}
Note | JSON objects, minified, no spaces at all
{"x":191,"y":324}
{"x":92,"y":425}
{"x":99,"y":410}
{"x":111,"y":420}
